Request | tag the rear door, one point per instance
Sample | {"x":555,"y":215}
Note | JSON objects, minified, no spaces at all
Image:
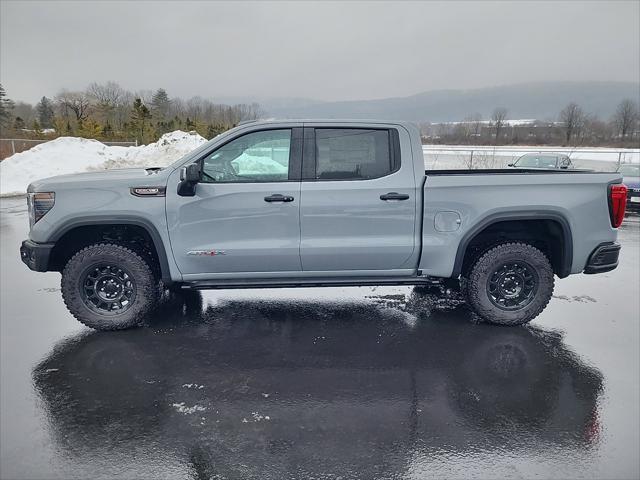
{"x":244,"y":219}
{"x":358,"y":201}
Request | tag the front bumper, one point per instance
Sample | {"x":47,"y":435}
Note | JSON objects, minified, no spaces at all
{"x":36,"y":255}
{"x":604,"y":258}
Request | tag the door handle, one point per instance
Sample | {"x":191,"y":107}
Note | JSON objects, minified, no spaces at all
{"x":394,"y":196}
{"x":278,"y":198}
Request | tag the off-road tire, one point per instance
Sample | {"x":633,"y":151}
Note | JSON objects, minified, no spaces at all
{"x":474,"y":286}
{"x":144,"y":281}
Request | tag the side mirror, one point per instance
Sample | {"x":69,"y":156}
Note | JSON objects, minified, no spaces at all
{"x":564,"y":167}
{"x":510,"y":165}
{"x":189,"y":178}
{"x":190,"y":173}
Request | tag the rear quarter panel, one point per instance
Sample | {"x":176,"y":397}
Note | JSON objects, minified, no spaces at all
{"x":579,"y":198}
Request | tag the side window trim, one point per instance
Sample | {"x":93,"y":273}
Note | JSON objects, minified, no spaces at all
{"x":309,"y":154}
{"x":295,"y":155}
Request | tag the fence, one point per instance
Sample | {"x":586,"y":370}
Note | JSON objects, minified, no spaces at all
{"x":10,"y":146}
{"x":473,"y":157}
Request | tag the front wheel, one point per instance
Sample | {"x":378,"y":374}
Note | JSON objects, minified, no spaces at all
{"x":509,"y":284}
{"x":108,"y":287}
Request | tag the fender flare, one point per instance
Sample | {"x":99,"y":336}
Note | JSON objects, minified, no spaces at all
{"x":149,"y":227}
{"x":567,"y":246}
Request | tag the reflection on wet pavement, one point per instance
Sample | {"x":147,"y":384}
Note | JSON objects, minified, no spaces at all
{"x":279,"y":389}
{"x":378,"y":382}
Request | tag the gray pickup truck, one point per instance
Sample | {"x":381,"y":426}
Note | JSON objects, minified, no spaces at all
{"x":319,"y":203}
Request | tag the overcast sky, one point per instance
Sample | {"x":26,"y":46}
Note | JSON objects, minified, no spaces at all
{"x":327,"y":51}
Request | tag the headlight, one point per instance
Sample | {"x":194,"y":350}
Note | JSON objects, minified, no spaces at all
{"x":39,"y":204}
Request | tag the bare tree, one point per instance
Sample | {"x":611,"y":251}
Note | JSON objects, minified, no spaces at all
{"x":195,"y":106}
{"x":25,"y":111}
{"x":498,"y":117}
{"x":75,"y":102}
{"x":625,"y":117}
{"x":573,"y":118}
{"x":105,"y":98}
{"x":122,"y":109}
{"x":476,"y":124}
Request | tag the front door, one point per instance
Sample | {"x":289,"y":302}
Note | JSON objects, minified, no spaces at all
{"x":244,"y":217}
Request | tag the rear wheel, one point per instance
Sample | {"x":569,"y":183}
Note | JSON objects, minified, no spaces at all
{"x":509,"y":284}
{"x":109,"y":287}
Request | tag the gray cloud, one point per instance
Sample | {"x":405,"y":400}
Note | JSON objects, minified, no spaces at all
{"x":328,"y":51}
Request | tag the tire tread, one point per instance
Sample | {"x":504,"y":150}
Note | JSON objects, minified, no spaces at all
{"x":146,"y":295}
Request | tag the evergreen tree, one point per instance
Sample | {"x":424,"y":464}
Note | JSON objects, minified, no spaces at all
{"x":214,"y":130}
{"x":107,"y":130}
{"x":35,"y":126}
{"x":90,"y":129}
{"x":139,"y":117}
{"x":6,"y":106}
{"x":160,"y":104}
{"x":18,"y":123}
{"x":45,"y":112}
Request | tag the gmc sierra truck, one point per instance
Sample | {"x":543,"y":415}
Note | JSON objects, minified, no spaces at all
{"x":319,"y":203}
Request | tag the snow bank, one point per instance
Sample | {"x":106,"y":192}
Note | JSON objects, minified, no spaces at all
{"x":75,"y":155}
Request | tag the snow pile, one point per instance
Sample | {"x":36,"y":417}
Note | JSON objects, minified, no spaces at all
{"x":247,"y":164}
{"x":75,"y":155}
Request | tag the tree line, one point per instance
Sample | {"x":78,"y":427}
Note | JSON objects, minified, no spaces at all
{"x":573,"y":127}
{"x":109,"y":112}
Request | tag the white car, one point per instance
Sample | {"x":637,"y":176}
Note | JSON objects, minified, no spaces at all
{"x":543,"y":160}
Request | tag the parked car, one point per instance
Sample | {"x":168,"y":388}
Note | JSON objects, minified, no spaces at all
{"x":631,"y":178}
{"x":543,"y":160}
{"x":319,"y":203}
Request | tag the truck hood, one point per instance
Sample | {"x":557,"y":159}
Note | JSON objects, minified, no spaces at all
{"x":104,"y":177}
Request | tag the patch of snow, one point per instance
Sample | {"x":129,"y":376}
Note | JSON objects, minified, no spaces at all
{"x":193,"y":385}
{"x":512,"y":122}
{"x":182,"y":408}
{"x":247,"y":164}
{"x":66,"y":155}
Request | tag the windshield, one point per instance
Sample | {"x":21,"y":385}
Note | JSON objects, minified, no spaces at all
{"x":537,"y":161}
{"x":630,"y":170}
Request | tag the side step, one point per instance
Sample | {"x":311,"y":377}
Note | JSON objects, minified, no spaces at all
{"x":308,"y":282}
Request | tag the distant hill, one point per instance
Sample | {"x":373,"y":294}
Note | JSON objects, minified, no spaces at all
{"x":541,"y":101}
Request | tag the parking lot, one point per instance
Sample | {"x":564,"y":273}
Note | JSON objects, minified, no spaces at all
{"x":320,"y":383}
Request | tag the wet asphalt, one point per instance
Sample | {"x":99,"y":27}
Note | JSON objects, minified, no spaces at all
{"x":320,"y":383}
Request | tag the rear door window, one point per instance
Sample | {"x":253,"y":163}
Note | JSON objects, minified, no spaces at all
{"x":353,"y":154}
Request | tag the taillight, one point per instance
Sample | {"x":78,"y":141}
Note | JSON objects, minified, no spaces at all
{"x":617,"y":203}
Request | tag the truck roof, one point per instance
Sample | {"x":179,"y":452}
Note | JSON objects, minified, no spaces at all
{"x":329,"y":120}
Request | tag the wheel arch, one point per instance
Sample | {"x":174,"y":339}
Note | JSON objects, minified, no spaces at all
{"x":66,"y":230}
{"x":562,"y":266}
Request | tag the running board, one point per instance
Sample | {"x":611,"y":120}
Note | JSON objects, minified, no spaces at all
{"x":309,"y":282}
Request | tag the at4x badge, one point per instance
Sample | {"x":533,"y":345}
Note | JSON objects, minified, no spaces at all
{"x":206,"y":253}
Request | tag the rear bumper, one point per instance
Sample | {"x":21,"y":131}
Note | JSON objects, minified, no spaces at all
{"x":603,"y":259}
{"x":36,"y":255}
{"x":633,"y":198}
